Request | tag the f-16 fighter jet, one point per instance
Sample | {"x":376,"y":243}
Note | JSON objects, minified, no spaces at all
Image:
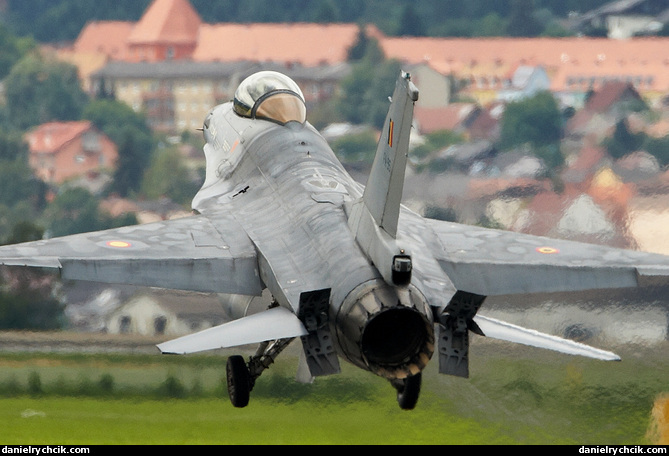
{"x":353,"y":274}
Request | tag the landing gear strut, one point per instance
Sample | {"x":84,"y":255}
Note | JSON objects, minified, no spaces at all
{"x":242,"y":376}
{"x":408,"y":390}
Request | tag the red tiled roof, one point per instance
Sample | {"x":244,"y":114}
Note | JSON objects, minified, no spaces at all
{"x":545,"y":211}
{"x":548,"y":51}
{"x":451,"y":117}
{"x":51,"y":137}
{"x":600,"y":102}
{"x":167,"y":21}
{"x":105,"y":37}
{"x":567,"y":60}
{"x":588,"y":158}
{"x":571,"y":63}
{"x":308,"y":44}
{"x":487,"y":123}
{"x":610,"y":93}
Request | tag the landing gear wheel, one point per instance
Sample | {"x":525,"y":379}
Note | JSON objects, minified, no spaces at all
{"x":239,"y":381}
{"x":408,"y":391}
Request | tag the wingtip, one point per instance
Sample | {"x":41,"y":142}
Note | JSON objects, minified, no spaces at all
{"x":168,"y":352}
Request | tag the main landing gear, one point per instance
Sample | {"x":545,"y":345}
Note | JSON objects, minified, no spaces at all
{"x":408,"y":390}
{"x":242,"y":376}
{"x":239,"y":381}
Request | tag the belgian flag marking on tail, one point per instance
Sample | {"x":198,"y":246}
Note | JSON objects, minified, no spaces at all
{"x":391,"y":127}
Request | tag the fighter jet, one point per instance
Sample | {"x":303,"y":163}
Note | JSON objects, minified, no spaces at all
{"x":353,"y":274}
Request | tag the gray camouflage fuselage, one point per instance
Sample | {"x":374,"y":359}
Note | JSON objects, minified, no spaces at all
{"x":287,"y":190}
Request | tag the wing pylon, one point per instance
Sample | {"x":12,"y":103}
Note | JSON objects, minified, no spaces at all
{"x":273,"y":324}
{"x":501,"y":330}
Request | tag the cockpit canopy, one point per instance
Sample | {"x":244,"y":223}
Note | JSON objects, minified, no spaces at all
{"x":271,"y":96}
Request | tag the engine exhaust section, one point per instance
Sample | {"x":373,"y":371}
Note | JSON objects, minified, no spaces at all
{"x":386,"y":330}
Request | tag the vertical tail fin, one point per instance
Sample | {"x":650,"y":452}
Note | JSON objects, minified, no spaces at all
{"x":374,"y":217}
{"x":383,"y":192}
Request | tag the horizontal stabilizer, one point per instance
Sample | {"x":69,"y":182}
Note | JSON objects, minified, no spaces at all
{"x":272,"y":324}
{"x":209,"y":254}
{"x":497,"y":329}
{"x":44,"y":262}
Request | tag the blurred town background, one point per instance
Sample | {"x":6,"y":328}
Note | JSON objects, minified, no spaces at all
{"x":547,"y":117}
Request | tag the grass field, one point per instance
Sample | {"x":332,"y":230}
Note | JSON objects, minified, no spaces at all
{"x":514,"y":396}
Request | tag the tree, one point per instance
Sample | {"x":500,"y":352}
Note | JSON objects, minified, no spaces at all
{"x":410,"y":24}
{"x":325,"y":12}
{"x":17,"y":183}
{"x":40,"y":90}
{"x":435,"y":141}
{"x":361,"y":47}
{"x":14,"y":223}
{"x":353,"y":89}
{"x":536,"y":121}
{"x":377,"y":95}
{"x":21,"y":193}
{"x":13,"y":49}
{"x":76,"y":211}
{"x":25,"y":231}
{"x":522,"y":21}
{"x":365,"y":92}
{"x":623,"y":141}
{"x":658,"y":148}
{"x":28,"y":303}
{"x":134,"y":157}
{"x":491,"y":25}
{"x":53,"y":21}
{"x":26,"y":300}
{"x":358,"y":147}
{"x":112,"y":117}
{"x":12,"y":145}
{"x":179,"y":187}
{"x":131,"y":133}
{"x":62,"y":20}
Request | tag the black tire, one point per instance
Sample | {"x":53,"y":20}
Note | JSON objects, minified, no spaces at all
{"x":239,"y":384}
{"x":408,"y":392}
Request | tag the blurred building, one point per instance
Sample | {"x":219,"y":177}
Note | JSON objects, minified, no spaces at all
{"x":61,"y":151}
{"x":623,"y":19}
{"x":176,"y":95}
{"x":171,"y":44}
{"x":174,"y":67}
{"x":485,"y":67}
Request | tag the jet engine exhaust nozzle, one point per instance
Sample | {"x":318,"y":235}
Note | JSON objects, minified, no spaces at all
{"x":386,"y":330}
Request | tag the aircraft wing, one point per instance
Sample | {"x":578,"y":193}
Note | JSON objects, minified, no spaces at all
{"x":493,"y":262}
{"x":193,"y":253}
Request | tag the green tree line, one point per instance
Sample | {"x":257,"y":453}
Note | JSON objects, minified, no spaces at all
{"x":52,"y":21}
